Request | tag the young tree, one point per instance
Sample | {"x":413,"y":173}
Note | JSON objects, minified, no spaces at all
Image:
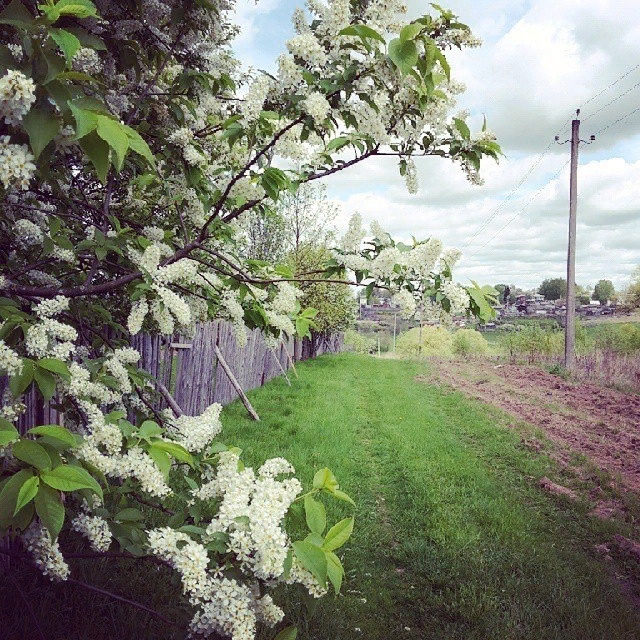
{"x":604,"y":291}
{"x":553,"y":288}
{"x":130,"y":141}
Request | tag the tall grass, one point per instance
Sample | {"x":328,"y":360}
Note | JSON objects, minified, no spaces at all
{"x":607,"y":354}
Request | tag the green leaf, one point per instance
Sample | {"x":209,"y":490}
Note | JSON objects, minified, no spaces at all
{"x":290,"y":633}
{"x":42,"y":126}
{"x":50,"y":509}
{"x":76,"y":8}
{"x":362,"y":31}
{"x":341,"y":495}
{"x":137,"y":144}
{"x":315,"y":514}
{"x":27,"y":492}
{"x":67,"y":478}
{"x":338,"y":534}
{"x":410,"y":31}
{"x":98,"y":152}
{"x":149,"y":428}
{"x":129,"y":515}
{"x":324,"y":479}
{"x":16,"y":14}
{"x":8,"y":433}
{"x":46,"y":382}
{"x":313,"y":559}
{"x":462,"y":127}
{"x":55,"y":431}
{"x":19,"y":384}
{"x":175,"y":450}
{"x":335,"y":571}
{"x":444,"y":63}
{"x":68,"y":43}
{"x":56,"y":366}
{"x":189,"y":528}
{"x":115,"y":135}
{"x":32,"y":453}
{"x":162,"y":459}
{"x":23,"y":518}
{"x":404,"y":54}
{"x":86,"y":121}
{"x":9,"y":495}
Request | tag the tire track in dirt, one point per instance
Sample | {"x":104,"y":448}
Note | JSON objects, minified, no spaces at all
{"x":602,"y":423}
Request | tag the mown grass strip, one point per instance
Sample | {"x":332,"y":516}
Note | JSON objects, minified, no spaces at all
{"x":453,"y":538}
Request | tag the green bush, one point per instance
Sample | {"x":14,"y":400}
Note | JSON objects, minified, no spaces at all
{"x":425,"y":342}
{"x":532,"y":342}
{"x":468,"y":342}
{"x":621,"y":338}
{"x":359,"y":343}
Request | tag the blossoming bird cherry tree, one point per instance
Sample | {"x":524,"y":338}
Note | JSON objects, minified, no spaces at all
{"x":131,"y":139}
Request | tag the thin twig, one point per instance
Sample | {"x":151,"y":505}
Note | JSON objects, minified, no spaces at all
{"x":133,"y":603}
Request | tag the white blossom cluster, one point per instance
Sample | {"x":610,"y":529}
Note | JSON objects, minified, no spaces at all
{"x":87,"y":60}
{"x":16,"y":164}
{"x":194,"y":433}
{"x":10,"y":361}
{"x":224,"y":605}
{"x":95,"y":529}
{"x":45,"y":552}
{"x":317,"y":106}
{"x":17,"y":95}
{"x":457,"y":296}
{"x":257,"y":94}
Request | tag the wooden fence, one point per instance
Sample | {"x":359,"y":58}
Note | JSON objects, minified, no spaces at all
{"x":189,"y":369}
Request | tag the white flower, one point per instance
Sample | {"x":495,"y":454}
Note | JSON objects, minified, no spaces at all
{"x":411,"y":177}
{"x":17,"y":94}
{"x":194,"y":433}
{"x":138,"y":313}
{"x":95,"y":529}
{"x":46,"y":553}
{"x":316,"y":105}
{"x":27,"y":233}
{"x":10,"y":361}
{"x":87,"y":60}
{"x":305,"y":46}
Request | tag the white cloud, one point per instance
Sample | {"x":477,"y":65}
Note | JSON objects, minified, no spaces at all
{"x":541,"y":60}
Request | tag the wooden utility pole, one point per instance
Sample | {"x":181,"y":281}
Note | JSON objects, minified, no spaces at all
{"x":570,"y":324}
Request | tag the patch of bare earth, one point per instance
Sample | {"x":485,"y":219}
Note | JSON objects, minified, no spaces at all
{"x":602,"y":423}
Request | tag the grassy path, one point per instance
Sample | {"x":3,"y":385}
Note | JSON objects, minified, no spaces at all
{"x":453,"y":538}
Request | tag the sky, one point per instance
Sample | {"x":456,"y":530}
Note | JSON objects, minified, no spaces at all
{"x":540,"y":61}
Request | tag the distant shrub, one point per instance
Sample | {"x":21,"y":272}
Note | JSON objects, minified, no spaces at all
{"x":430,"y":341}
{"x":532,"y":342}
{"x":359,"y":343}
{"x":620,"y":338}
{"x":468,"y":342}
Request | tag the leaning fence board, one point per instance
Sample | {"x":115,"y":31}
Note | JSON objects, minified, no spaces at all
{"x":192,"y":376}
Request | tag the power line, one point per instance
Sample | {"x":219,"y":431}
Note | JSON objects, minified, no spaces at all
{"x":517,"y":186}
{"x":518,"y":213}
{"x":614,"y":100}
{"x":620,"y":119}
{"x":545,"y":151}
{"x":613,"y":84}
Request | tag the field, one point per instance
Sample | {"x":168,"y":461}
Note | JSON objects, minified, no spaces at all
{"x":455,"y":535}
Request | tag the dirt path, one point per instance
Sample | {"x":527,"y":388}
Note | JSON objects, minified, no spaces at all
{"x":601,"y":423}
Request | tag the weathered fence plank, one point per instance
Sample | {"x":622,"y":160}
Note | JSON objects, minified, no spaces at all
{"x":192,"y":376}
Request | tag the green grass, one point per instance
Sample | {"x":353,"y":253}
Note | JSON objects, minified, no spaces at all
{"x":453,"y":538}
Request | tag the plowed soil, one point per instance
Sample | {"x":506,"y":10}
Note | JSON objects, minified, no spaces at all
{"x":601,"y":423}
